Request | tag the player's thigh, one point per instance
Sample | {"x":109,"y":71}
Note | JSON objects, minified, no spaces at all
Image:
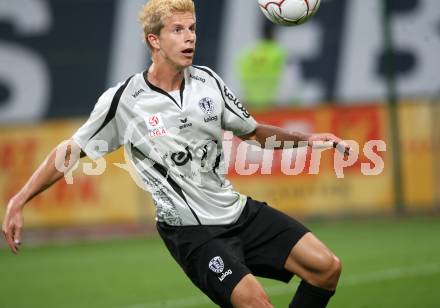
{"x":268,"y":240}
{"x":249,"y":293}
{"x":310,"y":259}
{"x":216,"y":268}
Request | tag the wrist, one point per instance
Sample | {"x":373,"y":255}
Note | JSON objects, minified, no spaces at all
{"x":17,"y":202}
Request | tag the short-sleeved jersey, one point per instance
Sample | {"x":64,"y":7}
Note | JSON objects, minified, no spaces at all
{"x":174,"y":142}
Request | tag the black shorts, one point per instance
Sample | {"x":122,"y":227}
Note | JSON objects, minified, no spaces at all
{"x":216,"y":258}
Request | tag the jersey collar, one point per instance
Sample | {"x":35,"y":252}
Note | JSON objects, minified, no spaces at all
{"x":161,"y":91}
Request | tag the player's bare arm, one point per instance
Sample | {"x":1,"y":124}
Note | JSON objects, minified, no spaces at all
{"x":45,"y":176}
{"x":263,"y":132}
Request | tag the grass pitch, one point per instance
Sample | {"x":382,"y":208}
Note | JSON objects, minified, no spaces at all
{"x":387,"y":263}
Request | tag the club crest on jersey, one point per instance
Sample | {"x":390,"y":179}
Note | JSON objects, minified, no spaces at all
{"x":216,"y":265}
{"x":155,"y":125}
{"x":207,"y":105}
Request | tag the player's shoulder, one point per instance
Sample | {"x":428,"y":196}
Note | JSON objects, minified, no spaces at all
{"x":121,"y":90}
{"x":202,"y":73}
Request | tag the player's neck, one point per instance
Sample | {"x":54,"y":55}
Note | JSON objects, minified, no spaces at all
{"x":165,"y":77}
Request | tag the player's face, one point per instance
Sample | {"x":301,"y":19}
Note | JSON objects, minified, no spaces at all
{"x":178,"y":40}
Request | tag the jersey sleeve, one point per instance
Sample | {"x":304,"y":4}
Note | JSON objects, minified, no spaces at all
{"x":100,"y":134}
{"x":235,"y":117}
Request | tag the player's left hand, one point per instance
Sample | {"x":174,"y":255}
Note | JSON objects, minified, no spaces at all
{"x":329,"y":141}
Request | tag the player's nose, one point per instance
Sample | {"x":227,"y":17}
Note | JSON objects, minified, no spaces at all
{"x":190,"y":36}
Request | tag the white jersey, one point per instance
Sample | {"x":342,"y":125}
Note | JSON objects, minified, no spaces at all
{"x":174,"y":141}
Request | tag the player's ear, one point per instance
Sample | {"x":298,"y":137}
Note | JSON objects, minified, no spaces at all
{"x":153,"y":39}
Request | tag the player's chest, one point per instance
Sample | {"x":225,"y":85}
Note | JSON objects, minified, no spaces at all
{"x":189,"y":115}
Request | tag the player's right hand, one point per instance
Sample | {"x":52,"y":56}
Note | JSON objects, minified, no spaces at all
{"x":12,"y":226}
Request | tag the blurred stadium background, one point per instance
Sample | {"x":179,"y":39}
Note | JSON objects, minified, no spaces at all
{"x":364,"y":70}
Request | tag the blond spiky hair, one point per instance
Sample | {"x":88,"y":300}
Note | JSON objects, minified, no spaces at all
{"x":154,"y":13}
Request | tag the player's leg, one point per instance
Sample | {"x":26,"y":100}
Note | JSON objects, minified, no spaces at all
{"x":277,"y":246}
{"x":249,"y":293}
{"x":215,"y":264}
{"x":319,"y":268}
{"x":313,"y":261}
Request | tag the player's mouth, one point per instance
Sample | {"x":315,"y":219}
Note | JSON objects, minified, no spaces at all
{"x":188,"y":52}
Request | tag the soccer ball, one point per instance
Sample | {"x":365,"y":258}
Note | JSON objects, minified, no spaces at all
{"x":289,"y":12}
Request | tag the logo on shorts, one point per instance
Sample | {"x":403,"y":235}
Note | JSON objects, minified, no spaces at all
{"x":225,"y":274}
{"x":207,"y":105}
{"x":216,"y":265}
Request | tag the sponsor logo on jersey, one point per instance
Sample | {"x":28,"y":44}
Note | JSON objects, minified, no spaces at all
{"x":182,"y":157}
{"x":155,"y":125}
{"x":197,"y":78}
{"x":137,"y":93}
{"x":205,"y":153}
{"x":210,"y":119}
{"x":185,"y":123}
{"x":236,"y":102}
{"x":216,"y":265}
{"x":207,"y":105}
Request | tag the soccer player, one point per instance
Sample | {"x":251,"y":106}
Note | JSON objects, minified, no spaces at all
{"x":170,"y":119}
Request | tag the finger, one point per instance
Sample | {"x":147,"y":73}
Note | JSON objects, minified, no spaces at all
{"x":336,"y":139}
{"x":342,"y":147}
{"x":17,"y":237}
{"x":17,"y":245}
{"x":10,"y":241}
{"x":5,"y":235}
{"x":320,"y":144}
